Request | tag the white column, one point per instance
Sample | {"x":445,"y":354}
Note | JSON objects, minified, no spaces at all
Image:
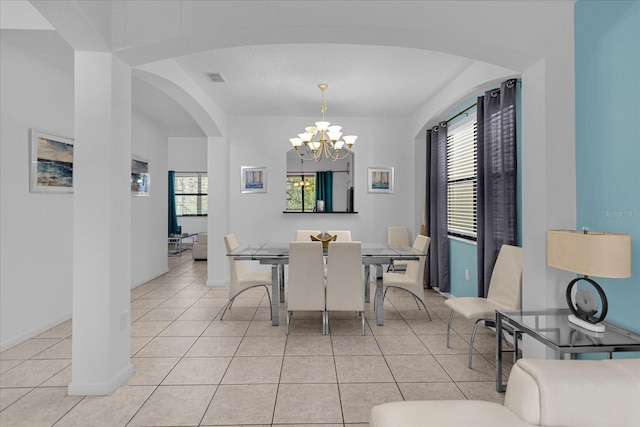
{"x":218,"y":218}
{"x":102,"y":224}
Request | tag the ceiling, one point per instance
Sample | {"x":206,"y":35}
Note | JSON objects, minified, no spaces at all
{"x":270,"y":79}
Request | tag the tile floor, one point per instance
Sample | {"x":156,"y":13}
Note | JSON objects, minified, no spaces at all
{"x":194,"y":370}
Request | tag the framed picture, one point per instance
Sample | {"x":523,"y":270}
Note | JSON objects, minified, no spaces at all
{"x":254,"y":179}
{"x":139,"y":177}
{"x":51,"y":167}
{"x":380,"y":180}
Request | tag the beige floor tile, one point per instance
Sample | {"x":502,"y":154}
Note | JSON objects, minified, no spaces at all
{"x":308,"y":369}
{"x":137,"y":343}
{"x":304,"y":326}
{"x":28,"y":349}
{"x":242,"y":404}
{"x":197,"y":313}
{"x":137,"y":313}
{"x":227,"y":328}
{"x":61,"y":379}
{"x":348,"y":326}
{"x":177,"y":302}
{"x":188,"y":371}
{"x":107,"y":411}
{"x":174,"y":406}
{"x":437,"y":344}
{"x":238,"y":313}
{"x":214,"y":347}
{"x":263,"y":312}
{"x":185,"y":328}
{"x":457,"y":367}
{"x":150,"y":371}
{"x":264,"y":328}
{"x":416,"y":368}
{"x":431,"y":391}
{"x":308,"y":403}
{"x":357,"y":345}
{"x":63,"y":330}
{"x":362,"y":369}
{"x":481,"y":391}
{"x":391,"y":327}
{"x":167,"y":347}
{"x":262,"y":346}
{"x":206,"y":302}
{"x":148,"y":328}
{"x":41,"y":407}
{"x":401,"y":344}
{"x":32,"y":373}
{"x":11,"y":395}
{"x":309,"y":345}
{"x":61,"y":350}
{"x":427,"y":327}
{"x":5,"y":365}
{"x":358,"y":399}
{"x":253,"y":370}
{"x":147,"y":302}
{"x":156,"y":314}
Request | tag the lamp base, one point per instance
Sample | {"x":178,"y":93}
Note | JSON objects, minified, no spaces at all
{"x":595,"y":327}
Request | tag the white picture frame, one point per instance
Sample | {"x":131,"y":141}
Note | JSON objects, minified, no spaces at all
{"x":254,"y":179}
{"x":380,"y":180}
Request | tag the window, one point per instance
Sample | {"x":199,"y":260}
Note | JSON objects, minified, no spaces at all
{"x":301,"y":192}
{"x":462,"y":178}
{"x":191,"y":193}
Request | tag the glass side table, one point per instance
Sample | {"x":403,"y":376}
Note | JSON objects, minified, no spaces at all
{"x":552,"y":328}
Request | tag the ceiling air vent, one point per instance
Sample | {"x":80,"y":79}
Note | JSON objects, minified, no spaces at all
{"x":215,"y":77}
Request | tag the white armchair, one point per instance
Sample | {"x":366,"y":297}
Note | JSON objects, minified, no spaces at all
{"x":199,"y":249}
{"x":305,"y":288}
{"x":344,"y":279}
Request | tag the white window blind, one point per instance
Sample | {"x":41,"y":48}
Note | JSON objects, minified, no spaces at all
{"x":462,"y":178}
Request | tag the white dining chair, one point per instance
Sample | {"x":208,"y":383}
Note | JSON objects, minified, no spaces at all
{"x":411,"y":280}
{"x":398,"y":236}
{"x":505,"y":293}
{"x":241,"y":280}
{"x":305,"y":287}
{"x":305,"y":235}
{"x":344,"y":279}
{"x":341,"y":235}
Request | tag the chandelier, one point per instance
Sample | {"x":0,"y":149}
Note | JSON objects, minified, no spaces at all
{"x":328,"y":138}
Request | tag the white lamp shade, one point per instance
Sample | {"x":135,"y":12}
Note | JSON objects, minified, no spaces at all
{"x":296,"y":142}
{"x":594,"y":253}
{"x":334,"y":136}
{"x":350,"y":139}
{"x":312,"y":130}
{"x":334,"y":128}
{"x":338,"y":144}
{"x":323,"y":125}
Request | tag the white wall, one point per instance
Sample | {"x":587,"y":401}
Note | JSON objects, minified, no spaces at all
{"x":36,"y":228}
{"x":36,"y":255}
{"x":149,"y":213}
{"x":189,"y":155}
{"x":259,"y":216}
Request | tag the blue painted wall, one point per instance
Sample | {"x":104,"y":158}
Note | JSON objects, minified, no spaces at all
{"x":463,"y":256}
{"x":607,"y":72}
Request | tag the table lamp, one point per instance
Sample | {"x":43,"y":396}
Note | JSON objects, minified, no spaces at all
{"x":589,"y":253}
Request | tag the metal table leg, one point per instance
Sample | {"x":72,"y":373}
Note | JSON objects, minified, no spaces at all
{"x":275,"y":294}
{"x":379,"y":297}
{"x":500,"y":387}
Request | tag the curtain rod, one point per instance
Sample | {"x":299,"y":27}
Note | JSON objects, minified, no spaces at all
{"x":463,"y":111}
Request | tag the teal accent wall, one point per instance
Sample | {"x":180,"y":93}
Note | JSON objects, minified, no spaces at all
{"x":607,"y":79}
{"x":463,"y":256}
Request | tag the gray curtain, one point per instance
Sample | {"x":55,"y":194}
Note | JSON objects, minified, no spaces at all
{"x":497,"y":216}
{"x":437,"y":264}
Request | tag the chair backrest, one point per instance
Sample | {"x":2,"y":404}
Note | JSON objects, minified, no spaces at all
{"x":202,"y":239}
{"x":342,"y":235}
{"x":415,"y":269}
{"x":305,"y":288}
{"x":236,"y":267}
{"x":505,"y":288}
{"x":304,"y":235}
{"x":345,"y":285}
{"x":398,"y":235}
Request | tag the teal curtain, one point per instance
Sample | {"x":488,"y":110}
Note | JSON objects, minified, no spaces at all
{"x":324,"y":189}
{"x":173,"y":217}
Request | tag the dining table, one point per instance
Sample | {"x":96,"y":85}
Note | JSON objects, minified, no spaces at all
{"x":276,"y":254}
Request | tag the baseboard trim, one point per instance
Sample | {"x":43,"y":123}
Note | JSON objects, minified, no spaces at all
{"x":32,"y":333}
{"x":100,"y":389}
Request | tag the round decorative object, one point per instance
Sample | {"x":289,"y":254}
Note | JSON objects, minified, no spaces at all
{"x":585,"y":304}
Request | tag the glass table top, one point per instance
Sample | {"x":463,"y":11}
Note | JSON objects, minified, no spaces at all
{"x":553,"y":326}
